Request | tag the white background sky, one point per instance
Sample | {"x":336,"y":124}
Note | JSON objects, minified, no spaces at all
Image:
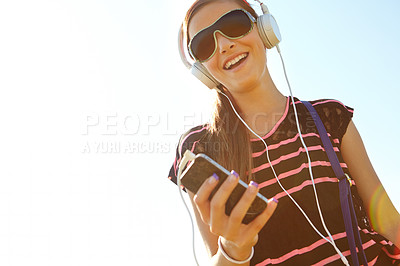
{"x":93,"y":99}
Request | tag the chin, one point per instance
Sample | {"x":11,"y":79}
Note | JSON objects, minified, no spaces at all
{"x":249,"y":81}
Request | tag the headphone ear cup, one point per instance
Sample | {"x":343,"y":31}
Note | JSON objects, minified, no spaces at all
{"x":268,"y":30}
{"x":200,"y":72}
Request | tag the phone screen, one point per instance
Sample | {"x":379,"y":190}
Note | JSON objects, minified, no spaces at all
{"x":202,"y":168}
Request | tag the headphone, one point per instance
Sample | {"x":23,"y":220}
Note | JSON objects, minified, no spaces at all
{"x":269,"y":34}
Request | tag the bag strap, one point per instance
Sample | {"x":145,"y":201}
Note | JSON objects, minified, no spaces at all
{"x":346,"y":202}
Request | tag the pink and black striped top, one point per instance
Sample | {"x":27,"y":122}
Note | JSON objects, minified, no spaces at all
{"x":287,"y":238}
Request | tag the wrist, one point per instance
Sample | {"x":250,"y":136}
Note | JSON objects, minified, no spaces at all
{"x":230,"y":250}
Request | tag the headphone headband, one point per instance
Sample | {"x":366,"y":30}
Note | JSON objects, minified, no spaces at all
{"x":180,"y":47}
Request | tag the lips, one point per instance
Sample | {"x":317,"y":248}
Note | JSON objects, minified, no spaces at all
{"x":234,"y":61}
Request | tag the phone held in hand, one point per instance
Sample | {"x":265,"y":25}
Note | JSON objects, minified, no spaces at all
{"x":202,"y":167}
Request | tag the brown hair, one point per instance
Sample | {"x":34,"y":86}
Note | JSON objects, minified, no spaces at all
{"x":227,"y":140}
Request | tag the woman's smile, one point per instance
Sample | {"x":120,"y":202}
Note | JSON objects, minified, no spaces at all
{"x":236,"y":61}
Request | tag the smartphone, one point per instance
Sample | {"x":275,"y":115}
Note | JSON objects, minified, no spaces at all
{"x":202,"y":167}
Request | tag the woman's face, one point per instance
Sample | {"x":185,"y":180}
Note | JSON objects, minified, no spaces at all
{"x":245,"y":74}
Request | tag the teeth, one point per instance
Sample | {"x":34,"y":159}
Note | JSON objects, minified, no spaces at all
{"x":235,"y":60}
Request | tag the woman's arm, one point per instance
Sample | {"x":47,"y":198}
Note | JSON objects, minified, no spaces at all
{"x":237,"y":238}
{"x":383,"y":215}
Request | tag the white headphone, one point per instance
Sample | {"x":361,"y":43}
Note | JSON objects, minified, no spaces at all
{"x":269,"y":34}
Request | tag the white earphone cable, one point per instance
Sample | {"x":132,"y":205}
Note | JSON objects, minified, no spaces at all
{"x":309,"y":162}
{"x":331,"y":241}
{"x":273,"y":170}
{"x":186,"y":158}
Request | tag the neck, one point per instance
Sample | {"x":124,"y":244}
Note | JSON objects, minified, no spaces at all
{"x":261,"y":105}
{"x":264,"y":97}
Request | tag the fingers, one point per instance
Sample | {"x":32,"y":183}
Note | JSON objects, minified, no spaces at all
{"x":249,"y":232}
{"x":217,"y":205}
{"x":241,"y":208}
{"x":212,"y":212}
{"x":258,"y":223}
{"x":202,"y":196}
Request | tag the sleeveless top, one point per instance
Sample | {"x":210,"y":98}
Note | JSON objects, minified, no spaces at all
{"x":287,"y":238}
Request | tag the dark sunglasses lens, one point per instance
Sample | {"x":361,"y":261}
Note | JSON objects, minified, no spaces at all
{"x":234,"y":24}
{"x":203,"y":45}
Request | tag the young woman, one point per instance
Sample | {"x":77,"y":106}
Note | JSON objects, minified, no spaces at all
{"x":281,"y":235}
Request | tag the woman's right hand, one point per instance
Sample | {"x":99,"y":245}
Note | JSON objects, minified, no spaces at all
{"x":237,"y":238}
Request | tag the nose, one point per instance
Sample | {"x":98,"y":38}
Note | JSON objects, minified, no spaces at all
{"x":224,"y":44}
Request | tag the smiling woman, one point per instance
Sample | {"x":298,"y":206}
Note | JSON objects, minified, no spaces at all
{"x":279,"y":152}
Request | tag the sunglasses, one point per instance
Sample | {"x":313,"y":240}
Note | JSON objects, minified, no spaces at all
{"x":233,"y":25}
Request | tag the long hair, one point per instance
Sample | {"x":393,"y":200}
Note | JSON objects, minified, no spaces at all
{"x":227,"y":140}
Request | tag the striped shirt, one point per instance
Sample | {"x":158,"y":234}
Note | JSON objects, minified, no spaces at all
{"x":287,"y":238}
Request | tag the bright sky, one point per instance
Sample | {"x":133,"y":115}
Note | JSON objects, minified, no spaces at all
{"x":94,"y":98}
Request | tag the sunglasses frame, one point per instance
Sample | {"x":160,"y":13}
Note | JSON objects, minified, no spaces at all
{"x":252,"y":21}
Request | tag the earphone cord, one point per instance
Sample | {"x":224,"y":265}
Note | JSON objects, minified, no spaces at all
{"x":344,"y":260}
{"x":332,"y":242}
{"x":182,"y":164}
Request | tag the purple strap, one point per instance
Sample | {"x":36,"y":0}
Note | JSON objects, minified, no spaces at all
{"x":346,"y":202}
